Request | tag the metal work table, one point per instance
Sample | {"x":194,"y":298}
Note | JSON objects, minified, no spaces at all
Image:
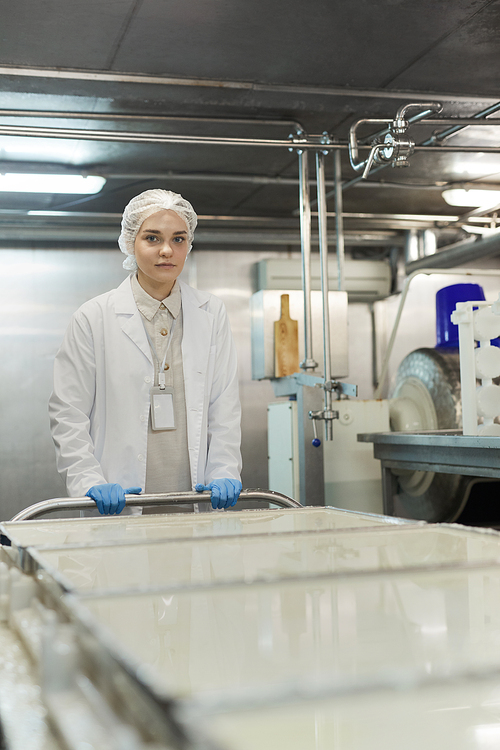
{"x":440,"y":451}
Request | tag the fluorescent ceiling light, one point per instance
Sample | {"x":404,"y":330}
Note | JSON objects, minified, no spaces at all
{"x":51,"y":183}
{"x":471,"y":198}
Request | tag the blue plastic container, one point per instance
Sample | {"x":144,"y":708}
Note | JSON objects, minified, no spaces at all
{"x":446,"y":301}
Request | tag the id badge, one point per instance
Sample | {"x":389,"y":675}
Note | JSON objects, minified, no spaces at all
{"x":162,"y":408}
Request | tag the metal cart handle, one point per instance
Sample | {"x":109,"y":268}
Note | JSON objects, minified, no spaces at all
{"x":169,"y":498}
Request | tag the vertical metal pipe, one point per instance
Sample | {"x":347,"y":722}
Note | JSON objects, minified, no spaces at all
{"x":371,"y":307}
{"x":323,"y":256}
{"x":339,"y":220}
{"x":305,"y":242}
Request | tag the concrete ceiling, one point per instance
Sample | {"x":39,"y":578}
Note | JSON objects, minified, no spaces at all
{"x":325,"y":64}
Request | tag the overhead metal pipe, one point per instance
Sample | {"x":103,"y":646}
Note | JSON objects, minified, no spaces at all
{"x":97,"y":76}
{"x":461,"y":149}
{"x":485,"y":213}
{"x":58,"y":232}
{"x":305,"y":243}
{"x":459,"y":122}
{"x":37,"y":214}
{"x":457,"y":128}
{"x":389,"y":185}
{"x":459,"y":253}
{"x":339,"y":219}
{"x":432,"y":218}
{"x":282,"y":221}
{"x":323,"y":256}
{"x":117,"y":116}
{"x":204,"y":177}
{"x":136,"y":137}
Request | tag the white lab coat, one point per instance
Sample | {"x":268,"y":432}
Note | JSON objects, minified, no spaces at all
{"x":103,"y":373}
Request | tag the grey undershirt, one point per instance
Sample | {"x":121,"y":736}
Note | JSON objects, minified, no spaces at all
{"x":167,"y":467}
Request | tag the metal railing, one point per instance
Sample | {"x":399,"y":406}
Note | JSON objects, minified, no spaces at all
{"x":169,"y":498}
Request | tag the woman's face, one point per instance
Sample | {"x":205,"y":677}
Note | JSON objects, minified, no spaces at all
{"x":161,"y":247}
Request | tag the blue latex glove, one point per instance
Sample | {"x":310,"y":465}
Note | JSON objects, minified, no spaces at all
{"x":110,"y":498}
{"x":225,"y":492}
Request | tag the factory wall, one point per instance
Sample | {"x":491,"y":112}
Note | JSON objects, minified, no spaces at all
{"x":39,"y":290}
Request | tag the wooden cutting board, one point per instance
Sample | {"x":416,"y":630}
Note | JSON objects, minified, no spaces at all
{"x":286,"y":342}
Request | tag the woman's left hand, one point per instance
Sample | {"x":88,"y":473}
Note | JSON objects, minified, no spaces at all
{"x":225,"y":492}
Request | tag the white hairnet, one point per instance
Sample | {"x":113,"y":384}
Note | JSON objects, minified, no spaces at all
{"x":141,"y":208}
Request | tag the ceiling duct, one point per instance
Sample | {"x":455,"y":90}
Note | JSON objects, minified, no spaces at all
{"x":459,"y":253}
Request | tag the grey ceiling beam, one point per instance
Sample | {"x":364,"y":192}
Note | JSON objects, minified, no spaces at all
{"x":346,"y":91}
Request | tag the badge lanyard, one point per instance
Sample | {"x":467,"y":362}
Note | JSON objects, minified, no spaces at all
{"x":161,"y":368}
{"x":162,"y":397}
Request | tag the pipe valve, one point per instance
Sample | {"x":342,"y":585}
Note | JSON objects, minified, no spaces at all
{"x":328,"y":415}
{"x":397,"y":151}
{"x":395,"y":148}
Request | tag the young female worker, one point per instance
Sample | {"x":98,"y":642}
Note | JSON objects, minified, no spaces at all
{"x":145,"y":382}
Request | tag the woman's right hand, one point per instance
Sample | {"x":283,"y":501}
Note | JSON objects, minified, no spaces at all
{"x":110,"y":498}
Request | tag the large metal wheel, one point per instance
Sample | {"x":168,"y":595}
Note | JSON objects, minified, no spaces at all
{"x":430,"y":379}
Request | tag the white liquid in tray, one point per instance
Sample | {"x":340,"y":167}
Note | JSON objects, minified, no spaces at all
{"x":275,"y":634}
{"x":247,"y":558}
{"x":458,"y":716}
{"x":116,"y":528}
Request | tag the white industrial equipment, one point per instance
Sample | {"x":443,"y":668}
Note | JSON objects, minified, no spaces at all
{"x":351,"y":475}
{"x":479,"y":321}
{"x":429,"y":474}
{"x":426,"y":396}
{"x":283,"y":447}
{"x":365,"y":280}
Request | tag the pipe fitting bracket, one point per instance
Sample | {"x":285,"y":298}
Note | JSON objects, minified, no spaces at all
{"x":326,"y":414}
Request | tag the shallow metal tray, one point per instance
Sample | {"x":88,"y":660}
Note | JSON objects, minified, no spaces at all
{"x":210,"y":560}
{"x":120,"y":529}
